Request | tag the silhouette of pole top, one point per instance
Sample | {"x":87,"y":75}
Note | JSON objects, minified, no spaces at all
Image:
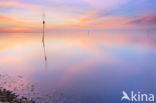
{"x":43,"y":22}
{"x":43,"y":18}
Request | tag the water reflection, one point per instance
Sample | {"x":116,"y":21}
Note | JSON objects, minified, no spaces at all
{"x":89,"y":69}
{"x":45,"y":55}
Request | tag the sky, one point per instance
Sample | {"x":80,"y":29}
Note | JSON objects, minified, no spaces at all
{"x":27,"y":15}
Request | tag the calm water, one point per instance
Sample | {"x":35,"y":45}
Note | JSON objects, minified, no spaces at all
{"x":86,"y":68}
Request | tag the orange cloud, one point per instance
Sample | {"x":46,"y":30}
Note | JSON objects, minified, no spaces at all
{"x":19,"y":4}
{"x":19,"y":29}
{"x":91,"y":16}
{"x":7,"y":3}
{"x":17,"y":21}
{"x":15,"y":24}
{"x":5,"y":19}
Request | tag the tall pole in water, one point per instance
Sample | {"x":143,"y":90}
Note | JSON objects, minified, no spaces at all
{"x":43,"y":26}
{"x":45,"y":56}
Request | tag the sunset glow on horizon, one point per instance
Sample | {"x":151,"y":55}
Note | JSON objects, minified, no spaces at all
{"x":26,"y":15}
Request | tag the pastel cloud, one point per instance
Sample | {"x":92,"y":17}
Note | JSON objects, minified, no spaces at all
{"x":10,"y":20}
{"x":149,"y":20}
{"x":19,"y":5}
{"x":16,"y":24}
{"x":72,"y":14}
{"x":91,"y":17}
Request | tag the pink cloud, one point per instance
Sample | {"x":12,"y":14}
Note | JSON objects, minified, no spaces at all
{"x":148,"y":20}
{"x":91,"y":17}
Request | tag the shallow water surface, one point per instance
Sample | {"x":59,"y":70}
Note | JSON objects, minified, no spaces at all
{"x":92,"y":67}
